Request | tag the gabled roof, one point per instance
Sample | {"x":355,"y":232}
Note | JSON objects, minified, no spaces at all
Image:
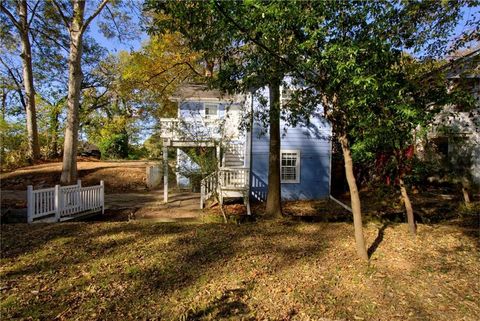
{"x":467,"y":66}
{"x":199,"y":92}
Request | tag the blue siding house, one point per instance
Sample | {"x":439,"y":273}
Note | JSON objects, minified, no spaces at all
{"x":206,"y":119}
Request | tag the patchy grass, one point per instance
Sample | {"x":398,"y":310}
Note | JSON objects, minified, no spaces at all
{"x":258,"y":271}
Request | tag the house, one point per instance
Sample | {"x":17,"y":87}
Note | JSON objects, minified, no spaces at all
{"x":455,"y":132}
{"x":229,"y":129}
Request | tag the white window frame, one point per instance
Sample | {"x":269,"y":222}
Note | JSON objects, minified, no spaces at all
{"x":297,"y":166}
{"x":212,"y":116}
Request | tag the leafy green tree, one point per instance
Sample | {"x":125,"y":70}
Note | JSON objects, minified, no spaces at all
{"x":18,"y":15}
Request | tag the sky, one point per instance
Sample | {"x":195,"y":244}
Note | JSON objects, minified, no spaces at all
{"x":114,"y":45}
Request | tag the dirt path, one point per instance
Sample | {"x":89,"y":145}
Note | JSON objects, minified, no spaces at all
{"x":150,"y":205}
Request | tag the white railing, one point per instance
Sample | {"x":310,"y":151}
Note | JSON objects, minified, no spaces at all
{"x":190,"y":129}
{"x":168,"y":127}
{"x":224,"y":179}
{"x":233,"y":178}
{"x":208,"y":186}
{"x":64,"y":202}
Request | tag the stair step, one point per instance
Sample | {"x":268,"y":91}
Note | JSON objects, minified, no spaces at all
{"x":229,"y":164}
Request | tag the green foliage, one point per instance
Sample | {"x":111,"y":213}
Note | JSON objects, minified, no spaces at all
{"x":153,"y":147}
{"x":114,"y":146}
{"x":13,"y":146}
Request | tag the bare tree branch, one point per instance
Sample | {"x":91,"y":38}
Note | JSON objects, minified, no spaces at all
{"x":96,"y":13}
{"x":17,"y":83}
{"x":62,"y":14}
{"x":114,"y":23}
{"x":11,"y":17}
{"x":33,"y":12}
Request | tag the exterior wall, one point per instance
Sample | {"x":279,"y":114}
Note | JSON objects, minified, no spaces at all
{"x":313,"y":140}
{"x":462,"y":131}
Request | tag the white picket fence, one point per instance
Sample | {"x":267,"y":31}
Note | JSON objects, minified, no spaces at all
{"x":61,"y":203}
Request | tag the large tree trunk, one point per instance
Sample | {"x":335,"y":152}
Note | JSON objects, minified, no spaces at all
{"x":32,"y":131}
{"x":69,"y":169}
{"x":274,"y":205}
{"x":54,"y":128}
{"x":354,"y":197}
{"x":466,"y":192}
{"x":408,"y":208}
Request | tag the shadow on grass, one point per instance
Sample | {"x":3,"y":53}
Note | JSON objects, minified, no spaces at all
{"x":155,"y":261}
{"x":228,"y":305}
{"x":378,"y":239}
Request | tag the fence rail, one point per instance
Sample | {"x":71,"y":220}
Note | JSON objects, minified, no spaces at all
{"x":233,"y":178}
{"x":208,"y":186}
{"x":61,"y":203}
{"x":224,"y":179}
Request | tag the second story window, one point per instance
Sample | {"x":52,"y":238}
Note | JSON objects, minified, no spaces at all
{"x":211,"y":111}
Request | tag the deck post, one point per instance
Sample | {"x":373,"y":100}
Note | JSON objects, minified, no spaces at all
{"x":30,"y":204}
{"x":217,"y":152}
{"x":165,"y":174}
{"x":102,"y":196}
{"x":57,"y":203}
{"x":202,"y":193}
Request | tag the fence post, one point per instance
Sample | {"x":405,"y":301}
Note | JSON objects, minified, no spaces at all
{"x":102,"y":196}
{"x":202,"y":193}
{"x":78,"y":195}
{"x":57,"y":203}
{"x":30,"y":204}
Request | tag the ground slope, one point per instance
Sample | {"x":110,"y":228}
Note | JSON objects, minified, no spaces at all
{"x":257,"y":271}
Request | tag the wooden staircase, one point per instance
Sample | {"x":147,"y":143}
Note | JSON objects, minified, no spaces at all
{"x":234,"y":155}
{"x":229,"y":181}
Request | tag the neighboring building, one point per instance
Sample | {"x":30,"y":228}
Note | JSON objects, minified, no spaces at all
{"x":206,"y":119}
{"x":89,"y":150}
{"x":456,"y":131}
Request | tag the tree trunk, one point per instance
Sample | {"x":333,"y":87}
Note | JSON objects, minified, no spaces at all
{"x":274,"y":205}
{"x":408,"y":208}
{"x":32,"y":131}
{"x":69,"y":169}
{"x":354,"y":197}
{"x":54,"y":127}
{"x":466,"y":192}
{"x":3,"y":112}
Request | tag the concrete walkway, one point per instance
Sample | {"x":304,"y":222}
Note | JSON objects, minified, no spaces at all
{"x":150,"y":205}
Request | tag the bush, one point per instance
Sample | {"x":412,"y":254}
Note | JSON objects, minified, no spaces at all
{"x":115,"y":146}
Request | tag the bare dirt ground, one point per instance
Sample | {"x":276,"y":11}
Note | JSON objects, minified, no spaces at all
{"x":119,"y":176}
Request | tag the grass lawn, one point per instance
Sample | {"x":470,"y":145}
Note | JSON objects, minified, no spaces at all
{"x":265,"y":270}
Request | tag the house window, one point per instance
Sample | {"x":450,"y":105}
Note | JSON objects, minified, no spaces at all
{"x":290,"y":166}
{"x":211,"y":110}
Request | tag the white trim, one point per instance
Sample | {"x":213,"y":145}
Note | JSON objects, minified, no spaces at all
{"x":297,"y":166}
